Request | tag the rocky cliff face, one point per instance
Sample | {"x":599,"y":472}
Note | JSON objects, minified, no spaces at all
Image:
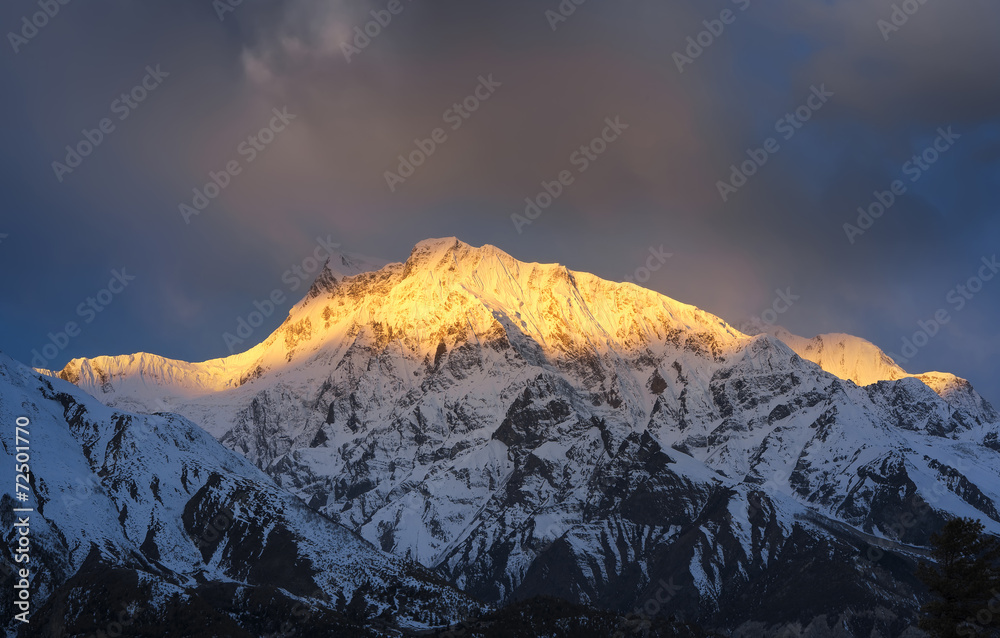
{"x":155,"y":501}
{"x":531,"y":430}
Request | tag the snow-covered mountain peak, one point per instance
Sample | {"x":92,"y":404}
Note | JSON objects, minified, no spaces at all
{"x":843,"y":355}
{"x":437,"y":247}
{"x":447,"y":288}
{"x":449,"y":294}
{"x":532,"y":429}
{"x":446,"y":298}
{"x":342,"y":265}
{"x":858,"y":360}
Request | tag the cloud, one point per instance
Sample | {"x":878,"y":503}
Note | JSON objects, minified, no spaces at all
{"x":297,"y":33}
{"x":937,"y":66}
{"x":656,"y":185}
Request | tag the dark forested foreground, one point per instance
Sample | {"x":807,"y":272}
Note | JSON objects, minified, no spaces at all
{"x":962,"y":579}
{"x":964,"y":582}
{"x":546,"y":616}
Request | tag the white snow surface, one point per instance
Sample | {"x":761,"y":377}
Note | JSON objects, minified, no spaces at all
{"x":382,"y":393}
{"x":110,"y":480}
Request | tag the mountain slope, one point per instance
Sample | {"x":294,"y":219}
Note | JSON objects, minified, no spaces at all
{"x":533,"y":430}
{"x":158,"y":501}
{"x":864,"y":363}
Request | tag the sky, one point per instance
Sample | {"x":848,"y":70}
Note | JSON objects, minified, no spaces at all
{"x":165,"y":164}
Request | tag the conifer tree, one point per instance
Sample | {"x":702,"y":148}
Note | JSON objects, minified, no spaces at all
{"x":964,"y":580}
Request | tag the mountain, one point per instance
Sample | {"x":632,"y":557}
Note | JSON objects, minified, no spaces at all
{"x":147,"y":520}
{"x":864,"y":363}
{"x":529,"y":430}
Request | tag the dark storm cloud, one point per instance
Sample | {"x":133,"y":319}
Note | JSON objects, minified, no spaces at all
{"x":939,"y":65}
{"x":656,"y":185}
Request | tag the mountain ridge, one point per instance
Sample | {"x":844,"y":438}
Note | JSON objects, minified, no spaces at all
{"x":165,"y":504}
{"x":530,"y":430}
{"x":858,"y":360}
{"x":865,"y":364}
